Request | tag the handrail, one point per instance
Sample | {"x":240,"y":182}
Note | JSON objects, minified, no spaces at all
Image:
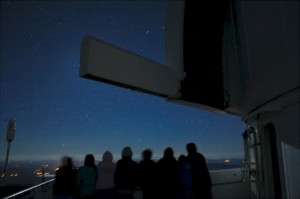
{"x":230,"y":169}
{"x":225,"y":183}
{"x":230,"y":182}
{"x":28,"y":189}
{"x":49,"y":181}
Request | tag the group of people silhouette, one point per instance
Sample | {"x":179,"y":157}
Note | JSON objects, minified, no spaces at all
{"x":168,"y":178}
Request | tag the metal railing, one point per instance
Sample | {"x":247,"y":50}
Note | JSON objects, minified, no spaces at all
{"x":235,"y":172}
{"x":38,"y":191}
{"x":44,"y":190}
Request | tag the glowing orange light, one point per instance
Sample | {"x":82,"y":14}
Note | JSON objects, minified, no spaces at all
{"x":227,"y":161}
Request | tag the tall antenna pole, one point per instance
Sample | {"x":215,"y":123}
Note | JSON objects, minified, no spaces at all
{"x":10,"y":136}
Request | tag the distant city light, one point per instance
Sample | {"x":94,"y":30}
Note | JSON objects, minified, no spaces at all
{"x":14,"y":174}
{"x":227,"y":161}
{"x":40,"y":172}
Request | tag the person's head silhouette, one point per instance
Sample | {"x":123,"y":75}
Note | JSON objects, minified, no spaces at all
{"x":191,"y":148}
{"x":147,"y":154}
{"x":168,"y":153}
{"x":126,"y":152}
{"x":107,"y":156}
{"x":89,"y":160}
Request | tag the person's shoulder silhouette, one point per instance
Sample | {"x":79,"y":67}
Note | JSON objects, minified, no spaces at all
{"x":168,"y":174}
{"x":105,"y":183}
{"x":65,"y":179}
{"x":200,"y":175}
{"x":126,"y":175}
{"x":87,"y":177}
{"x":147,"y":175}
{"x":106,"y":170}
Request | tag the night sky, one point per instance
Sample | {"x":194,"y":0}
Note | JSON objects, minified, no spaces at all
{"x":59,"y":113}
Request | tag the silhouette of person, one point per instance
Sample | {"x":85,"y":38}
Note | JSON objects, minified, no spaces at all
{"x":65,"y":180}
{"x":87,"y":178}
{"x":168,"y":175}
{"x":185,"y":178}
{"x":106,"y":171}
{"x":147,"y":175}
{"x":200,"y":176}
{"x":125,"y":177}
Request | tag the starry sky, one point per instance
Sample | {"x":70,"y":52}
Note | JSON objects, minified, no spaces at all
{"x":59,"y":113}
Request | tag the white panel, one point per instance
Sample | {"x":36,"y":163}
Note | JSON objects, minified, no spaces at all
{"x":228,"y":184}
{"x":268,"y":38}
{"x":291,"y":160}
{"x":100,"y":60}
